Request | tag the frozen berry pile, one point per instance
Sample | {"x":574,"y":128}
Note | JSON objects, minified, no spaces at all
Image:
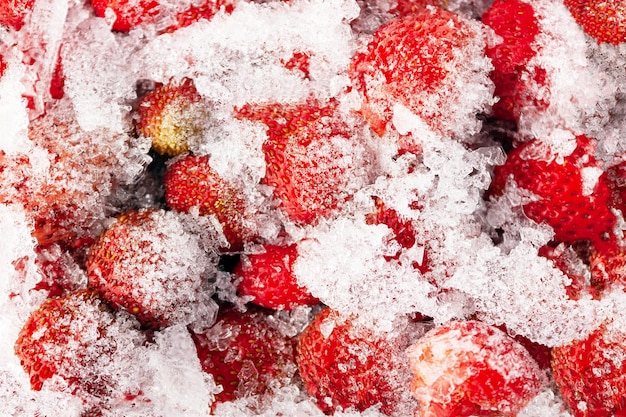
{"x":403,"y":208}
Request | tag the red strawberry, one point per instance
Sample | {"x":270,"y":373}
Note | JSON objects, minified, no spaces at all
{"x":149,"y":265}
{"x":515,"y":22}
{"x":604,"y":20}
{"x":313,"y":161}
{"x":14,"y":12}
{"x":608,"y":266}
{"x":567,"y":260}
{"x":76,"y":338}
{"x":465,"y":368}
{"x":300,"y":61}
{"x":591,"y":373}
{"x":571,"y":195}
{"x":205,"y":10}
{"x":418,"y":61}
{"x":245,"y":354}
{"x":268,"y":277}
{"x":172,"y":116}
{"x":126,"y":14}
{"x":344,"y":364}
{"x":616,"y":178}
{"x":190,"y":182}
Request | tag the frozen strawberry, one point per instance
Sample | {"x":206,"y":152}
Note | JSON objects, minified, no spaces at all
{"x":570,"y":193}
{"x":14,"y":12}
{"x":603,"y":20}
{"x":147,"y":263}
{"x":344,"y":364}
{"x":126,"y":14}
{"x":66,"y":200}
{"x":515,"y":22}
{"x":425,"y":61}
{"x":407,"y":7}
{"x":190,"y":182}
{"x":172,"y":115}
{"x":76,"y":338}
{"x":608,"y":266}
{"x":205,"y":10}
{"x":591,"y":373}
{"x":567,"y":260}
{"x":246,"y":355}
{"x":268,"y":276}
{"x":616,"y":179}
{"x":315,"y":162}
{"x":465,"y":368}
{"x":300,"y":61}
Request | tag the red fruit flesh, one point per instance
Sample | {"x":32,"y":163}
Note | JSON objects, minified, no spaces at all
{"x":466,"y":368}
{"x":14,"y":12}
{"x":269,"y":278}
{"x":245,"y":354}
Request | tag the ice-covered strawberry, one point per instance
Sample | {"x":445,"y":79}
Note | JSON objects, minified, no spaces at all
{"x":315,"y":161}
{"x":604,"y":20}
{"x":591,"y":373}
{"x":204,"y":10}
{"x":191,"y":183}
{"x":14,"y":12}
{"x":346,"y":365}
{"x":466,"y":368}
{"x":125,"y":15}
{"x":268,"y":277}
{"x":151,"y":264}
{"x":568,"y":190}
{"x":432,"y":62}
{"x":515,"y":22}
{"x":608,"y":266}
{"x":75,"y":344}
{"x":172,"y":115}
{"x":246,"y":355}
{"x":65,"y":177}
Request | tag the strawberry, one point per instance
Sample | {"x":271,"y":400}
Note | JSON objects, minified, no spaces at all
{"x":246,"y":355}
{"x":608,"y":266}
{"x":515,"y":22}
{"x":268,"y":276}
{"x":616,"y":178}
{"x":205,"y":10}
{"x":591,"y":373}
{"x":465,"y":368}
{"x":604,"y":21}
{"x":314,"y":162}
{"x":418,"y":61}
{"x":126,"y":14}
{"x":570,"y":195}
{"x":300,"y":61}
{"x":190,"y":182}
{"x":172,"y":116}
{"x":344,"y":364}
{"x":14,"y":12}
{"x":75,"y":338}
{"x":149,"y":265}
{"x":567,"y":260}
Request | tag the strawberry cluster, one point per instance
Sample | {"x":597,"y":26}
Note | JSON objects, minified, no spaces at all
{"x":419,"y":212}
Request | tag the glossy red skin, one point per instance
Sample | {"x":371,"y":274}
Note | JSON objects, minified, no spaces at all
{"x":562,"y":204}
{"x":365,"y":382}
{"x":241,"y":340}
{"x":604,"y":21}
{"x":270,"y":279}
{"x":592,"y":371}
